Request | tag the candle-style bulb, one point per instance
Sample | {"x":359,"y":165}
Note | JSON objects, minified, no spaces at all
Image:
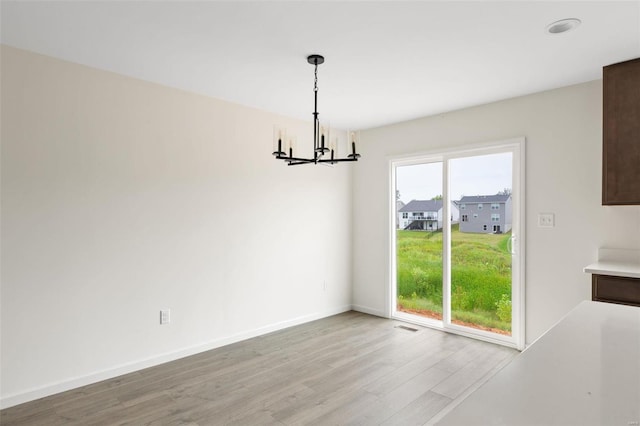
{"x":277,"y":140}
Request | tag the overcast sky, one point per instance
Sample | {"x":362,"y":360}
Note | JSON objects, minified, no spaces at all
{"x":480,"y":175}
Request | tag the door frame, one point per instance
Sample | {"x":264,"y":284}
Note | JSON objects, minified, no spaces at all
{"x":517,"y":147}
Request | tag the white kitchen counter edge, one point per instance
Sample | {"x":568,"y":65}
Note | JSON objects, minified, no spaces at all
{"x":617,"y":269}
{"x":616,"y":262}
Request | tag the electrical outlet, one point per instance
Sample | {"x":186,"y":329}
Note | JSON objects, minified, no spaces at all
{"x":165,"y":316}
{"x":546,"y":220}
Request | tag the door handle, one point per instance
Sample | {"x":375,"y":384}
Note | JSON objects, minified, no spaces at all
{"x":511,"y":245}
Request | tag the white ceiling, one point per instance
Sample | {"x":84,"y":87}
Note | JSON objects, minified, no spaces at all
{"x":385,"y":61}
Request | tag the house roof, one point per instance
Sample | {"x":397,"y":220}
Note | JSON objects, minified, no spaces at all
{"x":422,"y":206}
{"x":484,"y":199}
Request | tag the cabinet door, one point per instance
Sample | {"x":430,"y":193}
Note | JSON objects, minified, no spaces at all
{"x":621,"y":133}
{"x":623,"y":290}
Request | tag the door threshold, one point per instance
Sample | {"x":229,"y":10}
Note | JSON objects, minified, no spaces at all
{"x":481,"y":335}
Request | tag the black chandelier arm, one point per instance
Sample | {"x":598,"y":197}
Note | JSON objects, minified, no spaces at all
{"x":287,"y":158}
{"x":317,"y":157}
{"x":337,"y":160}
{"x":294,"y":161}
{"x":299,"y":162}
{"x":327,"y":161}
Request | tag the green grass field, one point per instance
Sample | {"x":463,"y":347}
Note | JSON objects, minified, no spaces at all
{"x":480,"y":277}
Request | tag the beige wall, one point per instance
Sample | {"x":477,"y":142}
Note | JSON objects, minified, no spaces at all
{"x":121,"y":197}
{"x":563,"y":130}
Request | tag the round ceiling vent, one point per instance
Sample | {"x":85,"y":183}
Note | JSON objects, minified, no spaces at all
{"x":563,"y":25}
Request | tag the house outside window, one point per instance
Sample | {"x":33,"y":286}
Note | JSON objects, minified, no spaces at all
{"x":425,"y":215}
{"x":492,"y":210}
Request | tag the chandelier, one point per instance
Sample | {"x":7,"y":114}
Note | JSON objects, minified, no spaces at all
{"x":324,"y":151}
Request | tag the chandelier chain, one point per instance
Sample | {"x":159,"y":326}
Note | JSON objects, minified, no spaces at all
{"x":315,"y":81}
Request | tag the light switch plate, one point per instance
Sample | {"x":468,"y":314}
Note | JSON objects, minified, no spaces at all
{"x":165,"y":316}
{"x":546,"y":220}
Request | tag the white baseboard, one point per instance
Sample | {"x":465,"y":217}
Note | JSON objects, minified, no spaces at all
{"x":370,"y":311}
{"x":98,"y":376}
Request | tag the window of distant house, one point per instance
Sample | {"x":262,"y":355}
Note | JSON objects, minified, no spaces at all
{"x":475,"y":215}
{"x":465,"y":218}
{"x":495,"y":217}
{"x":405,"y":215}
{"x":484,"y":227}
{"x":479,"y":206}
{"x":495,"y":206}
{"x":463,"y":206}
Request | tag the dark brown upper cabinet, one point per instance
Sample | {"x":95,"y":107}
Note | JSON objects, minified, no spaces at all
{"x":621,"y":133}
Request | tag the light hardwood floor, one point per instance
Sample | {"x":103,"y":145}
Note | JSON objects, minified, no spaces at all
{"x":350,"y":368}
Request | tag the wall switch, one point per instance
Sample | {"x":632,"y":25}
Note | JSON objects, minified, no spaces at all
{"x":546,"y":220}
{"x":165,"y":316}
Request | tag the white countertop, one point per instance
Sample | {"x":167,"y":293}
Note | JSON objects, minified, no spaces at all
{"x":583,"y":371}
{"x":610,"y":267}
{"x":616,"y":262}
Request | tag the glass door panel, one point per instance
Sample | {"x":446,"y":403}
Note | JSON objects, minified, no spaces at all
{"x":480,"y":234}
{"x":419,"y":224}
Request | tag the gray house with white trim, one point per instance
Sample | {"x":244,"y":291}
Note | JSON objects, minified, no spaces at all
{"x":485,"y":213}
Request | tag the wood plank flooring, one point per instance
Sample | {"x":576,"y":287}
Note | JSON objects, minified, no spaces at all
{"x":348,"y":369}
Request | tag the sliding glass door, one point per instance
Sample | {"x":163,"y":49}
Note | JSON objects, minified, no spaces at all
{"x":456,"y":236}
